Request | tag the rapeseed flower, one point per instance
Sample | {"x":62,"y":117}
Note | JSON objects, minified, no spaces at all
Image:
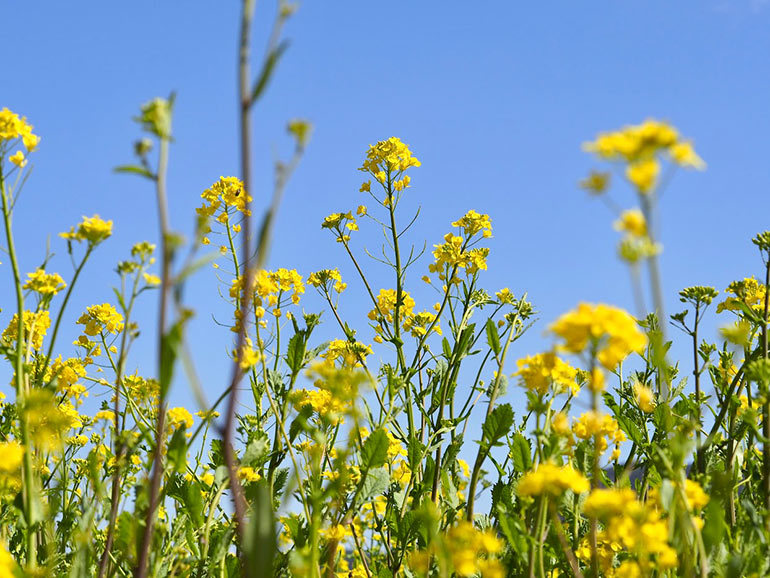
{"x":100,"y":318}
{"x":44,"y":283}
{"x":545,"y":372}
{"x":553,"y":480}
{"x":94,"y":230}
{"x":610,"y":332}
{"x":36,"y":324}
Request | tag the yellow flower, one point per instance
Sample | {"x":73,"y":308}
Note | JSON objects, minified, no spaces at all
{"x":151,"y":280}
{"x":696,"y":497}
{"x":595,"y":183}
{"x":179,"y":417}
{"x":36,"y":326}
{"x":644,"y":397}
{"x":544,"y":371}
{"x":352,"y":354}
{"x":643,"y":174}
{"x":390,"y":155}
{"x":12,"y":126}
{"x":684,"y":155}
{"x":7,"y":563}
{"x":633,"y":222}
{"x":248,"y":474}
{"x":18,"y":159}
{"x":99,"y":318}
{"x":11,"y":454}
{"x":551,"y":479}
{"x":611,"y":331}
{"x":472,"y":223}
{"x":326,"y":277}
{"x":92,"y":229}
{"x":44,"y":283}
{"x":748,"y":291}
{"x":300,"y":129}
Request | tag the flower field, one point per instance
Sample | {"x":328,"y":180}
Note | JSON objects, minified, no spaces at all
{"x":417,"y":440}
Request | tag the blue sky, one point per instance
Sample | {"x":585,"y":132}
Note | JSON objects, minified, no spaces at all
{"x":494,"y":98}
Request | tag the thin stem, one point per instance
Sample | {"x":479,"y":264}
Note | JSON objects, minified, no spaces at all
{"x":157,"y":459}
{"x":21,"y":392}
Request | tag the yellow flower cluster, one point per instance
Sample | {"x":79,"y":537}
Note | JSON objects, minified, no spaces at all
{"x":269,"y":288}
{"x":92,"y":229}
{"x":12,"y":127}
{"x":386,"y":302}
{"x":11,"y":454}
{"x":387,"y":159}
{"x":48,"y":418}
{"x":594,"y":423}
{"x":226,"y":193}
{"x":470,"y":550}
{"x":553,"y":480}
{"x":99,"y":318}
{"x":454,"y":253}
{"x":142,"y":389}
{"x":67,"y":373}
{"x":544,"y":371}
{"x":633,"y":526}
{"x":472,"y":223}
{"x":610,"y":332}
{"x":351,"y":353}
{"x":748,"y":291}
{"x":44,"y":283}
{"x":342,"y":224}
{"x":639,"y":147}
{"x":632,"y":222}
{"x":418,"y":324}
{"x":645,"y":398}
{"x":179,"y":417}
{"x":326,"y":277}
{"x":36,"y":324}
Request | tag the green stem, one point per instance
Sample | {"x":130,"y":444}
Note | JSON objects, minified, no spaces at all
{"x":21,"y":392}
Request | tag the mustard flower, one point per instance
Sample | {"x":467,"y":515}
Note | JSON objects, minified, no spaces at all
{"x":18,"y":159}
{"x":92,"y":229}
{"x":545,"y":371}
{"x":632,"y":222}
{"x":326,"y":277}
{"x":553,"y":480}
{"x":99,"y":318}
{"x":611,"y":331}
{"x":44,"y":283}
{"x":179,"y":417}
{"x":36,"y":326}
{"x":472,"y":223}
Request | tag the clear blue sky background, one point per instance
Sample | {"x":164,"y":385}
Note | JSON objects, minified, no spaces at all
{"x":494,"y":98}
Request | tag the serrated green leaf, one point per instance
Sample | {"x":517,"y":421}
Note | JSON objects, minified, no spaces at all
{"x":521,"y":453}
{"x":497,"y":425}
{"x":375,"y":450}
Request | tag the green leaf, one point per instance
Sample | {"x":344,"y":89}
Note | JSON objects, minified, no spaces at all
{"x":497,"y":425}
{"x":135,"y":170}
{"x":267,"y":70}
{"x":414,"y":452}
{"x":375,"y":483}
{"x":521,"y":453}
{"x":177,"y":450}
{"x":295,"y":354}
{"x":375,"y":450}
{"x":493,"y":338}
{"x":169,"y":348}
{"x":256,"y":451}
{"x":260,"y":535}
